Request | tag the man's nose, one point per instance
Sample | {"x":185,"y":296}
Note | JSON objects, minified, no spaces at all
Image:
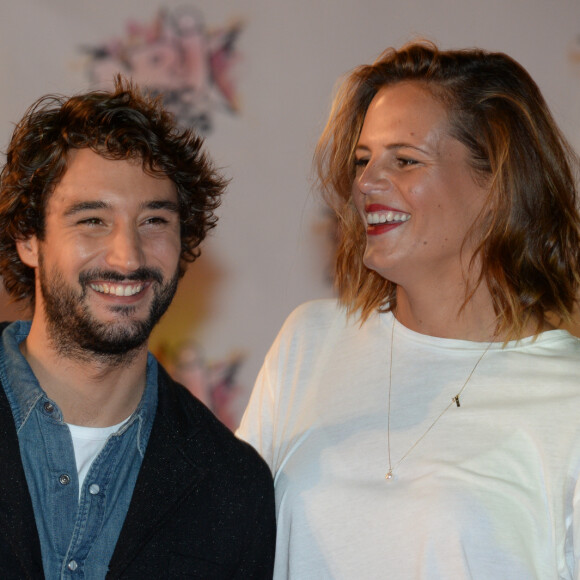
{"x":125,"y":249}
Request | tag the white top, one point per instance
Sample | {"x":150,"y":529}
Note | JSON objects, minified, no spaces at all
{"x":88,"y":443}
{"x":490,"y":492}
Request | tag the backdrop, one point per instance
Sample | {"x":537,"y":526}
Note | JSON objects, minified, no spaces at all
{"x":262,"y":72}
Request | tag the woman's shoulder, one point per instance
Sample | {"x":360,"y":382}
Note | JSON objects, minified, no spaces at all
{"x":321,"y":309}
{"x":318,"y":316}
{"x":322,"y":320}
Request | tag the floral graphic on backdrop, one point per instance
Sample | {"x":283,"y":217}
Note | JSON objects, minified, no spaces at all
{"x":175,"y":56}
{"x":192,"y":68}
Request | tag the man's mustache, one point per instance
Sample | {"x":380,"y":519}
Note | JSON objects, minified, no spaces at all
{"x":139,"y":275}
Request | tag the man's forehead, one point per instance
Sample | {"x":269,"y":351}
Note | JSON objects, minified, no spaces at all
{"x":96,"y":178}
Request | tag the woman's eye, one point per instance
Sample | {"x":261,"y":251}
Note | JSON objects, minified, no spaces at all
{"x":361,"y":162}
{"x":405,"y":161}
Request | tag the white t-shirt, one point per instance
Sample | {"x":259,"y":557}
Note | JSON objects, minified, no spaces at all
{"x":88,"y":443}
{"x":490,"y":492}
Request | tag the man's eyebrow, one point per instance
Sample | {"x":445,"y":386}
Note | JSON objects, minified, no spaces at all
{"x":82,"y":206}
{"x":85,"y":206}
{"x":162,"y":204}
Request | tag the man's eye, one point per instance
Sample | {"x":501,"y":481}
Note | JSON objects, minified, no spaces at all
{"x":91,"y":222}
{"x":156,"y":220}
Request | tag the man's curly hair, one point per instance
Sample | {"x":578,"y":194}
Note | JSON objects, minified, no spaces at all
{"x":121,"y":124}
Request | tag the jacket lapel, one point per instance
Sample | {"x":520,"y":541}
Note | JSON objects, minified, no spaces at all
{"x":167,"y":474}
{"x":17,"y":523}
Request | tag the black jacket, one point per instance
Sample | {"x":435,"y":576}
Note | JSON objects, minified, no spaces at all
{"x":203,"y":504}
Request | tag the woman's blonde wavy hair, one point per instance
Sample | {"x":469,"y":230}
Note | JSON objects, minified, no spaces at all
{"x":529,"y":245}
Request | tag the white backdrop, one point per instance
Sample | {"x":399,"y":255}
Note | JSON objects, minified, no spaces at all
{"x":270,"y":249}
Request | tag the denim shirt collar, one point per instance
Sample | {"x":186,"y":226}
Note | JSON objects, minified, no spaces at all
{"x":23,"y":390}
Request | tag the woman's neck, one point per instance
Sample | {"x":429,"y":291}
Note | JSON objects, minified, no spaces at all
{"x":441,"y":312}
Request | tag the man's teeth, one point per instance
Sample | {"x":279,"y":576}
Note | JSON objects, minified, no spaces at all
{"x":118,"y":289}
{"x":388,"y":217}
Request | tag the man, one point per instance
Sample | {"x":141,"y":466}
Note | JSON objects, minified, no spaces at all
{"x":110,"y":468}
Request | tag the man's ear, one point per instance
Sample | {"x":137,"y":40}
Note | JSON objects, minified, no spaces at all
{"x":28,"y":251}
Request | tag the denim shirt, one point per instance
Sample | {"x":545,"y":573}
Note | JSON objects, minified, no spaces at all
{"x":77,"y":537}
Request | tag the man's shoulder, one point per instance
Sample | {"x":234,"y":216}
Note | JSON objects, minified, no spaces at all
{"x":199,"y":431}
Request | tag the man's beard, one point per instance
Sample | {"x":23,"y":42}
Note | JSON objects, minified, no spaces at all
{"x":74,"y":331}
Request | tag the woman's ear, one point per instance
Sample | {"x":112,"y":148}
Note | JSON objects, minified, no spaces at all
{"x":28,"y":251}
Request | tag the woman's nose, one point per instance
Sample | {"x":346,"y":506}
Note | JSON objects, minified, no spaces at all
{"x":373,"y":179}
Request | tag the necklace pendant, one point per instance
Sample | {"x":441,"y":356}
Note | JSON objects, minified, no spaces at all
{"x":389,"y":476}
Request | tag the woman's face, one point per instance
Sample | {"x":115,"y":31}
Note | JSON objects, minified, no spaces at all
{"x":414,"y":189}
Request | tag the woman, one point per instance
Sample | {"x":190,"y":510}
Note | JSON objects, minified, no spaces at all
{"x":427,"y":425}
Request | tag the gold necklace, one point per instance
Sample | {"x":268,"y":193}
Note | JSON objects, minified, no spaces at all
{"x":389,"y":476}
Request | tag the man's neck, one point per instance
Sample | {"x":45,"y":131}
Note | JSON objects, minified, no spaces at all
{"x":90,"y":391}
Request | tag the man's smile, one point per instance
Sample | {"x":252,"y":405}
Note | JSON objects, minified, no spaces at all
{"x":118,"y":289}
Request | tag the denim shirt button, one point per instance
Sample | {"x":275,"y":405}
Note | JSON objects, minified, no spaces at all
{"x":72,"y":565}
{"x":64,"y":479}
{"x":94,"y":489}
{"x":48,"y":407}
